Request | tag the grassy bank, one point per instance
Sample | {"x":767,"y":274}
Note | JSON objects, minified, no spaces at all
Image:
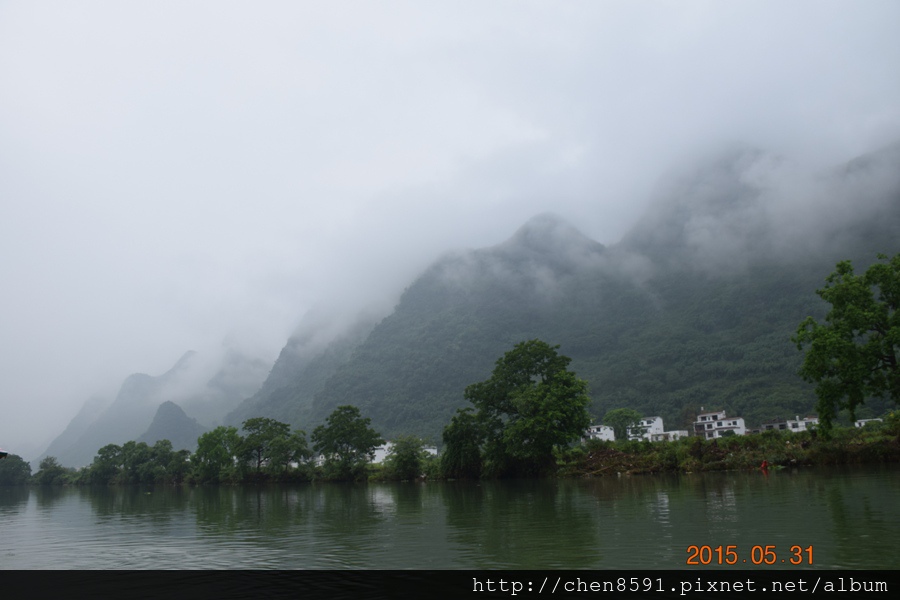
{"x":878,"y":443}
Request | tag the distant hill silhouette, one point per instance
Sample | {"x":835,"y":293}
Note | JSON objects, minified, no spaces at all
{"x":208,"y":390}
{"x":171,"y":423}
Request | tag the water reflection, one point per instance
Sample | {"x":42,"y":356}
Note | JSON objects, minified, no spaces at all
{"x":640,"y":522}
{"x":520,"y":524}
{"x":48,"y":495}
{"x":157,"y":504}
{"x":264,"y":510}
{"x":860,"y":517}
{"x":13,"y":499}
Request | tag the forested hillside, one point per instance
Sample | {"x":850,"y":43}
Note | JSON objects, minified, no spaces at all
{"x":695,"y":307}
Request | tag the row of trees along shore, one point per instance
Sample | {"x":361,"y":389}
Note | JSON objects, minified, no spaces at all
{"x":875,"y":443}
{"x":264,"y":450}
{"x":526,"y":420}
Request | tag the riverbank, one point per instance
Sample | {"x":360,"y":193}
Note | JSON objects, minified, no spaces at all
{"x":876,"y":443}
{"x":778,"y":449}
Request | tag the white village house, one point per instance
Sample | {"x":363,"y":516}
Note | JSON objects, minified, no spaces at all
{"x":713,"y":425}
{"x":599,"y":432}
{"x":648,"y":428}
{"x":381,"y":452}
{"x":645,"y":428}
{"x":798,"y":424}
{"x":794,"y":425}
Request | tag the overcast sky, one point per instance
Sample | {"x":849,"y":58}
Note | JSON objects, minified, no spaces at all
{"x":179,"y":175}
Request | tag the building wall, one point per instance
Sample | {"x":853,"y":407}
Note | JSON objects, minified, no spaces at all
{"x":646,"y":428}
{"x":714,"y":424}
{"x":600,"y":432}
{"x":670,"y":436}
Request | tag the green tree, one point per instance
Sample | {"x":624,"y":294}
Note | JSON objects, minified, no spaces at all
{"x":106,"y":465}
{"x":166,"y":465}
{"x":853,"y":355}
{"x":531,"y":405}
{"x":261,"y":434}
{"x":14,"y":470}
{"x":216,"y":453}
{"x":347,"y":443}
{"x":622,"y":420}
{"x":179,"y":466}
{"x":137,"y":463}
{"x":461,"y":455}
{"x":286,"y":450}
{"x":50,"y":472}
{"x":406,"y":458}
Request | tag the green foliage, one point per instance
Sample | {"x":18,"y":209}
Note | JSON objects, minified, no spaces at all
{"x":137,"y":463}
{"x":406,"y":458}
{"x":167,"y":464}
{"x":137,"y":466}
{"x":286,"y":450}
{"x":853,"y":355}
{"x":347,"y":443}
{"x":218,"y":459}
{"x":778,"y":448}
{"x":263,"y":436}
{"x":431,"y":466}
{"x":106,"y":465}
{"x":664,"y":343}
{"x":14,"y":470}
{"x":621,"y":420}
{"x":222,"y":456}
{"x":50,"y":472}
{"x":461,"y":456}
{"x":892,"y":423}
{"x":272,"y":448}
{"x":530,"y":405}
{"x":216,"y":455}
{"x":678,"y":341}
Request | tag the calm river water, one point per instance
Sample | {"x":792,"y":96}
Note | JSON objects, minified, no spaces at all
{"x":849,"y":516}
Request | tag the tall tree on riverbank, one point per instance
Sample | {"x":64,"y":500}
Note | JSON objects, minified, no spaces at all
{"x":854,"y":354}
{"x":406,"y":458}
{"x":50,"y":472}
{"x":461,"y":457}
{"x":271,"y":447}
{"x":14,"y":470}
{"x":531,"y":405}
{"x":347,"y":443}
{"x":263,"y":435}
{"x":217,"y":451}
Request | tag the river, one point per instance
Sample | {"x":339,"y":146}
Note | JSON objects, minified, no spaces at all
{"x":823,"y":518}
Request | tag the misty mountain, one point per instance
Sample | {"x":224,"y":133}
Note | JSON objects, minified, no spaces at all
{"x":208,"y":388}
{"x":125,"y":419}
{"x":746,"y":206}
{"x":77,"y":427}
{"x":171,"y":423}
{"x":234,"y":377}
{"x":311,"y":356}
{"x":694,"y":307}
